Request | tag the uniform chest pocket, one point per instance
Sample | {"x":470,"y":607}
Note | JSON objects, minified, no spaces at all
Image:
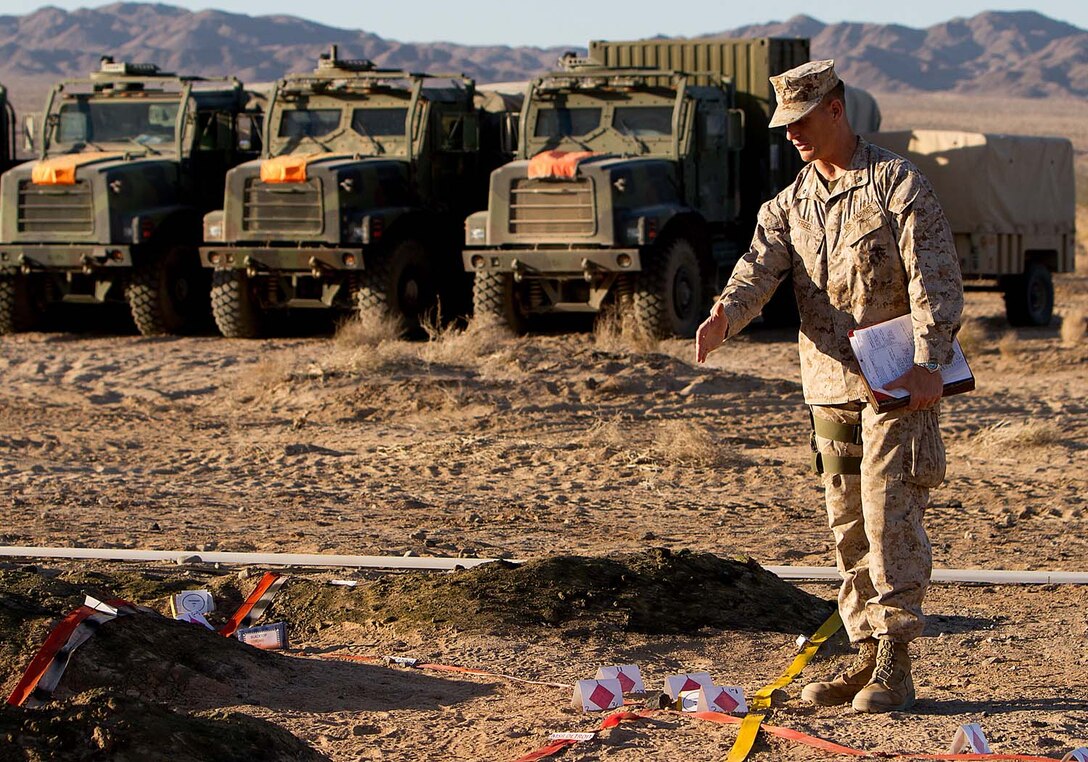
{"x":869,"y":240}
{"x":806,"y":236}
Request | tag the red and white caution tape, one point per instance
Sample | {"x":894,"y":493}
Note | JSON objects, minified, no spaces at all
{"x":560,"y":745}
{"x":47,"y":667}
{"x":256,"y":604}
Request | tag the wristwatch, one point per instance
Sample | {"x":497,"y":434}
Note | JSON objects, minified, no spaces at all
{"x":931,"y":365}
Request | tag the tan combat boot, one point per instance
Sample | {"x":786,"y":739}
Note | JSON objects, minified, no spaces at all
{"x":891,"y":688}
{"x":842,"y":688}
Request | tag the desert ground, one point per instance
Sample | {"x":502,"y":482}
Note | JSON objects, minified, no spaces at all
{"x":478,"y":443}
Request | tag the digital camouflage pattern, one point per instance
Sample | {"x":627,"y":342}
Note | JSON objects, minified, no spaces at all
{"x":801,"y":89}
{"x":881,"y":547}
{"x":875,"y":248}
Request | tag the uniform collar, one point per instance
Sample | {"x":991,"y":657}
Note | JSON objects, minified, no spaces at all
{"x":813,"y":187}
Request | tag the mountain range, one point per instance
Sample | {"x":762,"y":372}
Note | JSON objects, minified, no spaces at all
{"x":1018,"y":53}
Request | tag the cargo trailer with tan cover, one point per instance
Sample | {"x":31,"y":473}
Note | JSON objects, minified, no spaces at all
{"x":1010,"y":200}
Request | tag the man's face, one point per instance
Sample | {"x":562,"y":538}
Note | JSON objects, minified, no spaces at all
{"x":812,"y":134}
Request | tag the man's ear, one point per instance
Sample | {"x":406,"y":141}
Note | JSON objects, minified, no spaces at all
{"x":838,"y":109}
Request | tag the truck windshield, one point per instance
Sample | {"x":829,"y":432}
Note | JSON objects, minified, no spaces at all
{"x":309,"y":123}
{"x":379,"y":121}
{"x":643,"y":121}
{"x":116,"y":122}
{"x":566,"y":122}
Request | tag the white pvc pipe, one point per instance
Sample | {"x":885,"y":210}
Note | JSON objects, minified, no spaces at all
{"x":977,"y":576}
{"x":254,"y":559}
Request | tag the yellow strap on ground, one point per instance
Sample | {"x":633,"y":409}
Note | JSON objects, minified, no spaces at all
{"x":761,"y":702}
{"x":61,"y":170}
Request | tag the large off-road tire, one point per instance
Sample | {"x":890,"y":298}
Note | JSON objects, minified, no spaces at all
{"x":669,"y":298}
{"x":494,"y":298}
{"x":165,"y":293}
{"x":236,"y":310}
{"x":1029,"y":297}
{"x":22,"y":304}
{"x":400,"y":282}
{"x":8,"y":318}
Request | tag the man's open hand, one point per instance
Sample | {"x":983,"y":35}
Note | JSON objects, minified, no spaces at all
{"x":925,"y":388}
{"x":711,"y":333}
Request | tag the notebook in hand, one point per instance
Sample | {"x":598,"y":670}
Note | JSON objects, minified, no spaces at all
{"x":885,"y":352}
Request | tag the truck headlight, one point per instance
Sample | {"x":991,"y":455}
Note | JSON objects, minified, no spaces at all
{"x":215,"y":232}
{"x":477,"y":233}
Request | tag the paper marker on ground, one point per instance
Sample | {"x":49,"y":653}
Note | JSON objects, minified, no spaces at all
{"x":93,"y":603}
{"x":689,"y":681}
{"x":1077,"y":755}
{"x":688,"y":701}
{"x":194,"y":619}
{"x":267,"y":636}
{"x":629,"y":675}
{"x":572,"y":737}
{"x":728,"y":699}
{"x":970,"y":740}
{"x":597,"y":695}
{"x":191,"y":602}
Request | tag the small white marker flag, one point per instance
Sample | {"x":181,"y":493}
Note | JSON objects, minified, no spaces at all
{"x":727,"y":699}
{"x":969,"y":739}
{"x":597,"y":695}
{"x":629,"y":675}
{"x":688,"y":681}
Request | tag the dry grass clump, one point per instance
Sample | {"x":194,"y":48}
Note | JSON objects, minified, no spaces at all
{"x":368,"y":329}
{"x":1008,"y":345}
{"x":452,"y":344}
{"x":687,"y":444}
{"x":607,"y":433}
{"x":616,"y":331}
{"x":1018,"y":434}
{"x":1074,"y":328}
{"x":369,"y":341}
{"x":973,"y":336}
{"x":264,"y":377}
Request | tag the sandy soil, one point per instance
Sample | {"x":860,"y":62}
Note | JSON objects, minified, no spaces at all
{"x":479,"y":444}
{"x":484,"y":445}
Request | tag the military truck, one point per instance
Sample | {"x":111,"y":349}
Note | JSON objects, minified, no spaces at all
{"x":129,"y":161}
{"x":1010,"y":201}
{"x":639,"y":174}
{"x":7,"y":131}
{"x":358,"y":198}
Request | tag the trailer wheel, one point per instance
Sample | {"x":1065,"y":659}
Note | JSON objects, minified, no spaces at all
{"x":494,"y":297}
{"x":164,"y":294}
{"x":669,"y":293}
{"x":8,"y":317}
{"x":236,"y":311}
{"x":1029,"y":298}
{"x":399,"y":282}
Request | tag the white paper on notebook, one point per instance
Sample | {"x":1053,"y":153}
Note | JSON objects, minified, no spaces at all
{"x":597,"y":695}
{"x":886,"y":351}
{"x":688,"y":681}
{"x":728,"y":699}
{"x":629,"y":675}
{"x":970,"y":740}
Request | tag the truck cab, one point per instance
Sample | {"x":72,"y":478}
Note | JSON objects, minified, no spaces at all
{"x":623,"y":178}
{"x":129,"y":161}
{"x":356,"y":201}
{"x":7,"y":132}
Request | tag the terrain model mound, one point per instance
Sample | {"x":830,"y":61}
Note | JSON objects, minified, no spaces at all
{"x":102,"y":724}
{"x":654,"y":591}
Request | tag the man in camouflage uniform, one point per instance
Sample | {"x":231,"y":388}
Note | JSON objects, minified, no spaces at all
{"x":865,"y":240}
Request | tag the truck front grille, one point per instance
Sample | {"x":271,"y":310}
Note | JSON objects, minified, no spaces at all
{"x":55,"y":208}
{"x":550,"y":208}
{"x":282,"y":208}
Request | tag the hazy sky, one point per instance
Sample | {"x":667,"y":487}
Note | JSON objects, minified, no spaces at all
{"x":525,"y":22}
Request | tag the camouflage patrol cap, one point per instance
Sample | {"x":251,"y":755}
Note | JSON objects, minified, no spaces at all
{"x":801,"y":89}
